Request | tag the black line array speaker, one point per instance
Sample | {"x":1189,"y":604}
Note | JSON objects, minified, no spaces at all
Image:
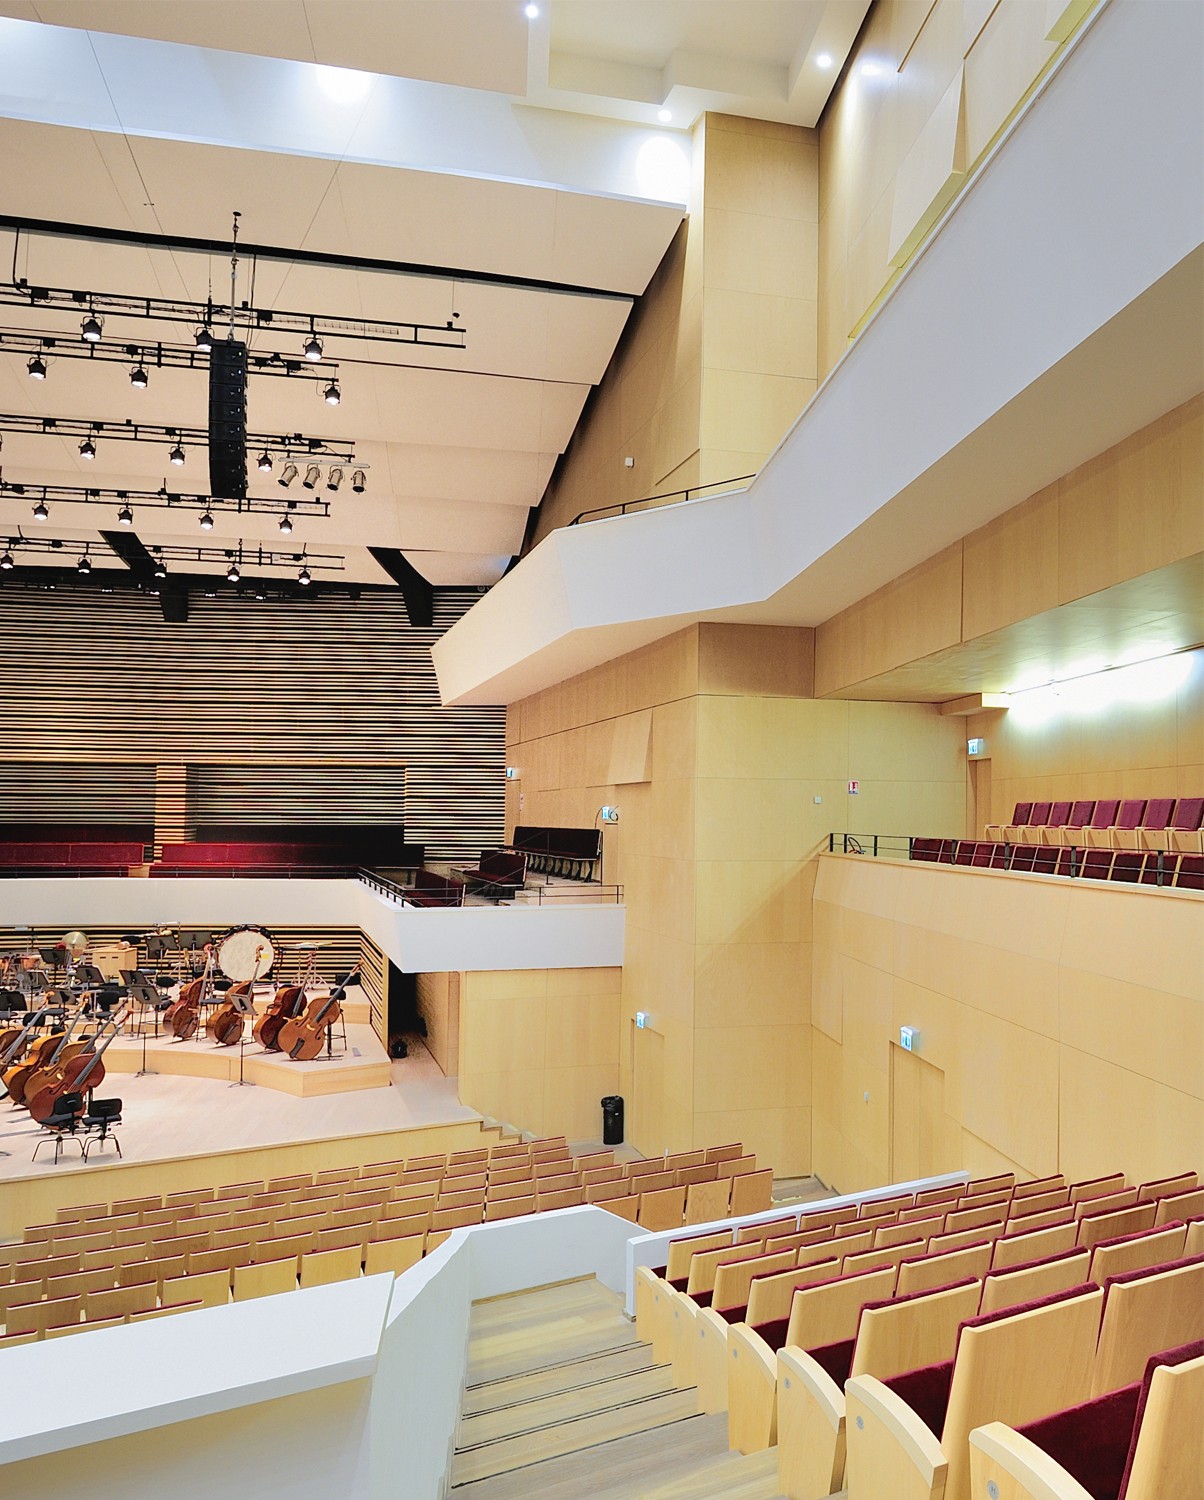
{"x":228,"y":419}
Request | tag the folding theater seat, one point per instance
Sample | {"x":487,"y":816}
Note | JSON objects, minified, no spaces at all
{"x":1095,"y":833}
{"x":1160,"y":868}
{"x":1070,"y":833}
{"x":1156,"y":818}
{"x":1183,"y":833}
{"x":1127,"y":820}
{"x":1051,"y":831}
{"x":1030,"y":832}
{"x":1020,"y":816}
{"x":1190,"y":876}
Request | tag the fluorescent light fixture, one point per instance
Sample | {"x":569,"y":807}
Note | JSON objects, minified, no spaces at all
{"x":1148,"y":681}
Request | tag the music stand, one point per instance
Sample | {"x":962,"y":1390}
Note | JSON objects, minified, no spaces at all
{"x":245,"y":1007}
{"x":144,"y":993}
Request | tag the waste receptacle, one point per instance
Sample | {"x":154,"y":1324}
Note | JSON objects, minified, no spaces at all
{"x":612,"y":1120}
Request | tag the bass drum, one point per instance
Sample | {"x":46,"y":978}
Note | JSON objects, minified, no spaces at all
{"x":246,"y":953}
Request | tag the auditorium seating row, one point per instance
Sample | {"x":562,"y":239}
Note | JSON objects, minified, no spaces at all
{"x":429,"y":888}
{"x":92,"y":857}
{"x":1184,"y":871}
{"x":142,"y":1256}
{"x":919,"y":1330}
{"x":1156,"y":823}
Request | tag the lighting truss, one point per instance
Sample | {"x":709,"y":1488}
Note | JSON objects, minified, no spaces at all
{"x":163,"y":499}
{"x":244,"y":556}
{"x":160,"y":356}
{"x":284,"y":445}
{"x":449,"y":335}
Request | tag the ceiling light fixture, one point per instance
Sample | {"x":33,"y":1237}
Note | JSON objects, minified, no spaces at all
{"x":332,"y":395}
{"x":358,"y":483}
{"x":84,"y":565}
{"x":36,"y":367}
{"x":823,"y":60}
{"x":232,"y":573}
{"x":286,"y":526}
{"x":139,"y":379}
{"x":312,"y":348}
{"x":204,"y":339}
{"x":207,"y":522}
{"x":177,"y":455}
{"x":531,"y":12}
{"x":160,"y":568}
{"x":7,"y":563}
{"x":91,"y":329}
{"x":87,"y":449}
{"x":305,"y":577}
{"x":264,"y":462}
{"x":334,"y":478}
{"x":41,"y":511}
{"x":125,"y":516}
{"x":287,"y":475}
{"x":312,"y":475}
{"x":664,"y":115}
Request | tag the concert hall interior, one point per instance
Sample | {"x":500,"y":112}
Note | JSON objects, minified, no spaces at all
{"x":602,"y":808}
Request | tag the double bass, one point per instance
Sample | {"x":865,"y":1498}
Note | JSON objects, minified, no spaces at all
{"x":12,"y":1042}
{"x":304,"y":1036}
{"x":80,"y":1075}
{"x":226,"y":1022}
{"x":43,"y":1054}
{"x":288,"y":1003}
{"x":183,"y":1015}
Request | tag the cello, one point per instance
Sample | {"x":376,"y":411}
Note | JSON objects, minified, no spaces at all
{"x":80,"y":1075}
{"x":303,"y":1037}
{"x":43,"y":1054}
{"x":225,"y":1024}
{"x":289,"y":1002}
{"x":183,"y":1015}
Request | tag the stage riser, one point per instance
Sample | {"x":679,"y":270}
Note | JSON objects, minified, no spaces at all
{"x":36,"y":1200}
{"x":305,"y":1080}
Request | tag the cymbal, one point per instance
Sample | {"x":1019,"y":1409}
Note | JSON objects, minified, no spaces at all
{"x":307,"y":947}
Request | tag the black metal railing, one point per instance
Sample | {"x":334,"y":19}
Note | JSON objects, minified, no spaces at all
{"x":1162,"y":864}
{"x":670,"y":497}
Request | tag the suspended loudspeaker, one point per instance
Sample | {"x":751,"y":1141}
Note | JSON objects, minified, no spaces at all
{"x":228,"y":419}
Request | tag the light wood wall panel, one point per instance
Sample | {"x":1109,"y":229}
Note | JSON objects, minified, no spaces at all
{"x":1067,"y":1019}
{"x":439,"y":1007}
{"x":346,"y":688}
{"x":539,"y":1048}
{"x":926,"y":91}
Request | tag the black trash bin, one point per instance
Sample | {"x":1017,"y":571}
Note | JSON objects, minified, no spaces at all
{"x":612,"y":1120}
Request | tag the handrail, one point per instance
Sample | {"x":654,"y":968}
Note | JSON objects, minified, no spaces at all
{"x":693,"y":492}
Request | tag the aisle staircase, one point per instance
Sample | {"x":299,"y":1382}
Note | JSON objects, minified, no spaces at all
{"x":563,"y":1402}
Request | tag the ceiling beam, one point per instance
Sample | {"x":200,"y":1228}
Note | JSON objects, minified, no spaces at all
{"x":418,"y":594}
{"x":126,"y":546}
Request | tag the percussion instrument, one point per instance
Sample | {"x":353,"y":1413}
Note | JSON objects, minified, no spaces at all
{"x":246,"y":953}
{"x":308,"y":947}
{"x":81,"y":1074}
{"x":75,"y":943}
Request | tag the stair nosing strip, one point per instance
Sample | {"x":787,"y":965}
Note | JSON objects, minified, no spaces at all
{"x":559,"y":1365}
{"x":584,"y":1386}
{"x":589,"y":1447}
{"x":566,"y":1421}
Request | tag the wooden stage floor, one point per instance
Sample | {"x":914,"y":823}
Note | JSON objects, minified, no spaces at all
{"x":168,"y":1116}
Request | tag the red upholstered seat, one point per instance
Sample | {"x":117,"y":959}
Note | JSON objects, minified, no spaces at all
{"x":1190,"y":876}
{"x":1023,"y":857}
{"x":1070,"y":831}
{"x":1184,"y":834}
{"x":925,"y":849}
{"x":1154,"y":818}
{"x":1096,"y":865}
{"x":1126,"y":866}
{"x":1096,"y":832}
{"x":1159,"y":869}
{"x":965,"y":852}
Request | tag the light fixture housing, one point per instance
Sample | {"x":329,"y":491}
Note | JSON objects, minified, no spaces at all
{"x":664,"y":115}
{"x":204,"y":338}
{"x":531,"y":12}
{"x":139,"y":379}
{"x":7,"y":562}
{"x":335,"y":477}
{"x":312,"y":348}
{"x":358,"y":481}
{"x":232,"y":573}
{"x":332,"y":395}
{"x":287,"y":475}
{"x":160,"y":568}
{"x":823,"y":60}
{"x":286,"y":525}
{"x":207,"y":521}
{"x":177,"y":455}
{"x":312,"y":474}
{"x":36,"y":367}
{"x":305,"y":577}
{"x":84,"y":565}
{"x":91,"y":329}
{"x":41,"y":511}
{"x":264,"y":462}
{"x":125,"y":516}
{"x":87,"y":449}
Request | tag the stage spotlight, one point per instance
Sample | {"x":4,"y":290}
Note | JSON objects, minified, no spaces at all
{"x":334,"y":478}
{"x":232,"y":573}
{"x":358,"y":482}
{"x":332,"y":395}
{"x":84,"y":565}
{"x":287,"y":475}
{"x":264,"y":464}
{"x":177,"y":455}
{"x":286,"y":526}
{"x":312,"y":348}
{"x":207,"y":522}
{"x":160,"y":568}
{"x":304,"y":576}
{"x":7,"y":563}
{"x":40,"y":511}
{"x":36,"y":367}
{"x":90,"y":329}
{"x":87,"y":449}
{"x":139,"y":379}
{"x":204,"y":339}
{"x":312,"y":475}
{"x":125,"y":516}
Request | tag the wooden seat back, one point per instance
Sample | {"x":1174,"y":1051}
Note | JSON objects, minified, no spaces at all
{"x":1132,"y":1252}
{"x":1169,"y":1456}
{"x":770,"y":1296}
{"x":705,"y":1263}
{"x":920,"y":1330}
{"x":1144,"y":1311}
{"x":827,"y":1313}
{"x":732,"y":1282}
{"x":707,"y":1201}
{"x":927,"y":1272}
{"x":1026,"y":1283}
{"x":682,"y":1251}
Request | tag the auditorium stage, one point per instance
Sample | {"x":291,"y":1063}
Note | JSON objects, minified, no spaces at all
{"x":169,"y":1116}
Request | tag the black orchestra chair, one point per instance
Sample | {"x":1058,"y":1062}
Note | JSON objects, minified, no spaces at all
{"x":102,"y":1115}
{"x":12,"y":1003}
{"x":62,"y":1123}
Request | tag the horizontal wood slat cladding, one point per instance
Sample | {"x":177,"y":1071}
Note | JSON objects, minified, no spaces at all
{"x":267,"y":796}
{"x":51,"y":791}
{"x":326,"y":682}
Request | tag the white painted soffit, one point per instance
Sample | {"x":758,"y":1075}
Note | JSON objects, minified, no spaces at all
{"x":1058,"y":309}
{"x":132,"y":85}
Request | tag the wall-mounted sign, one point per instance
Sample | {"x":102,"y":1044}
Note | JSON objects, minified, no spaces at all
{"x":854,"y":788}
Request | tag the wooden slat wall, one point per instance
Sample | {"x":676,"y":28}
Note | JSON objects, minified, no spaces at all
{"x":326,"y":682}
{"x":347,"y":947}
{"x":263,"y":796}
{"x":57,"y":791}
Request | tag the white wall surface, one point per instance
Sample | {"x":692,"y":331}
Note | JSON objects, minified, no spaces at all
{"x":418,"y":940}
